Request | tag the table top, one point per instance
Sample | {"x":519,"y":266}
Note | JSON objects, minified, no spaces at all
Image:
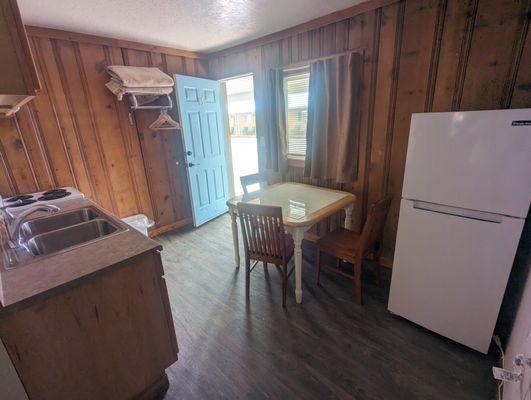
{"x":301,"y":204}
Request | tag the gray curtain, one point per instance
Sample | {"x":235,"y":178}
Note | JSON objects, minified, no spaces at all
{"x":332,"y":136}
{"x":275,"y":138}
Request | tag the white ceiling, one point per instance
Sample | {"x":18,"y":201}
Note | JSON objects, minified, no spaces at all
{"x":197,"y":25}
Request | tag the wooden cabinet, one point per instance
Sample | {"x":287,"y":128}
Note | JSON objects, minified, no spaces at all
{"x":9,"y":382}
{"x":18,"y":76}
{"x":105,"y":336}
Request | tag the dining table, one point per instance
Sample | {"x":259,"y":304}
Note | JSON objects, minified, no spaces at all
{"x":302,"y":206}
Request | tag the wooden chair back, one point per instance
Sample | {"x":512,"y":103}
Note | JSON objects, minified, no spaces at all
{"x":263,"y":232}
{"x":373,"y":228}
{"x":252,"y":179}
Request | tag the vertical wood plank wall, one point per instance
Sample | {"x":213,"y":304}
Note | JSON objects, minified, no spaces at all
{"x":419,"y":56}
{"x":75,"y":133}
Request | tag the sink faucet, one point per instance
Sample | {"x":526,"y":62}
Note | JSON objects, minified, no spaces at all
{"x":23,"y":216}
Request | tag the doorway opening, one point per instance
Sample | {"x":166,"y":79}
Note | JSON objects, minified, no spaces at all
{"x":241,"y":119}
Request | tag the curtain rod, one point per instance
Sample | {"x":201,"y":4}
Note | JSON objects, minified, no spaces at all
{"x":306,"y":63}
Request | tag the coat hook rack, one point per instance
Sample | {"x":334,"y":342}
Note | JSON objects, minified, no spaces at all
{"x":136,"y":106}
{"x":164,"y":121}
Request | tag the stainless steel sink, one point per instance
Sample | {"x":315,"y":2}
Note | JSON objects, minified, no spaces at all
{"x":57,"y":221}
{"x":60,"y":239}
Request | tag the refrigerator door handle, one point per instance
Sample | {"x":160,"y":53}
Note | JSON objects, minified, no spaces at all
{"x":458,"y":212}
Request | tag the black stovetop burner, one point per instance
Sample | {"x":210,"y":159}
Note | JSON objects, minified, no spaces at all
{"x":20,"y":202}
{"x":54,"y":192}
{"x":26,"y":199}
{"x":21,"y":197}
{"x":53,"y":195}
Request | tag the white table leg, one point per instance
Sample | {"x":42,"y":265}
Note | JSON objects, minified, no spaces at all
{"x":298,"y":235}
{"x":348,"y":216}
{"x":235,"y":236}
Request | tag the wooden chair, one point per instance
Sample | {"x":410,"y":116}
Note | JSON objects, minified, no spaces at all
{"x":265,"y":240}
{"x":248,"y":180}
{"x":353,"y":247}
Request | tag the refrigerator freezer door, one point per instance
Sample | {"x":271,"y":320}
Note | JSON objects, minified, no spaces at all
{"x":450,"y":272}
{"x":476,"y":160}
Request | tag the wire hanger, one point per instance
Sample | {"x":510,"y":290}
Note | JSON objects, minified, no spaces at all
{"x":164,"y":122}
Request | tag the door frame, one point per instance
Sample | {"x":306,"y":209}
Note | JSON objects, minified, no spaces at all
{"x":230,"y":169}
{"x":228,"y":151}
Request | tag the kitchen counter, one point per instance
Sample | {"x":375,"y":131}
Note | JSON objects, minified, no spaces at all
{"x":91,"y":321}
{"x":45,"y":273}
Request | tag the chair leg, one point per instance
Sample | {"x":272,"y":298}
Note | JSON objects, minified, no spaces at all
{"x":357,"y":279}
{"x":377,"y":272}
{"x":318,"y":265}
{"x":265,"y":267}
{"x":284,"y":284}
{"x":247,"y":276}
{"x":377,"y":266}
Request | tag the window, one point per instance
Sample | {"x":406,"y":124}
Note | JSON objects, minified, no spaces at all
{"x":296,"y":99}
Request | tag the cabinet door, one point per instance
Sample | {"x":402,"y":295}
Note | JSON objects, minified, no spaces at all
{"x":9,"y":382}
{"x":18,"y":76}
{"x":109,"y":336}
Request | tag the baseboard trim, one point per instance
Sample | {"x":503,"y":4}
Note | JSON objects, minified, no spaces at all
{"x":171,"y":227}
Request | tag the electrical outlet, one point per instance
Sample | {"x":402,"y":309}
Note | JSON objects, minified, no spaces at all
{"x":506,"y":375}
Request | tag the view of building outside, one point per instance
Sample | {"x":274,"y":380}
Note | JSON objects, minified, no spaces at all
{"x":242,"y":124}
{"x":242,"y":127}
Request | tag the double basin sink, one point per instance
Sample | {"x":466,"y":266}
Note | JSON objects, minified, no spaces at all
{"x":50,"y":234}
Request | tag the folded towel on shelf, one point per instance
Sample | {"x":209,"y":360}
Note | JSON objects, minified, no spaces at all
{"x":138,"y":80}
{"x":153,"y":92}
{"x":139,"y":76}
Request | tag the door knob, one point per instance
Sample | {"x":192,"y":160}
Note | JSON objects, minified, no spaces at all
{"x":192,"y":164}
{"x":188,"y":153}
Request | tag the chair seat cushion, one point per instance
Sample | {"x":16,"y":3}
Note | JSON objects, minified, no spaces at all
{"x":342,"y":243}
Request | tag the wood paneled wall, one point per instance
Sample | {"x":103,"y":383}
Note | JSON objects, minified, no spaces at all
{"x":419,"y":56}
{"x":75,"y":132}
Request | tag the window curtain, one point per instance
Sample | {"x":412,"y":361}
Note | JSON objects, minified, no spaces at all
{"x":332,"y":136}
{"x":275,"y":139}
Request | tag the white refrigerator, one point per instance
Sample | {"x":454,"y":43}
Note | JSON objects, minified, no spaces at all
{"x":466,"y":194}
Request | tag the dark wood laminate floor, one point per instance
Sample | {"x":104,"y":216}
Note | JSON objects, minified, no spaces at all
{"x":326,"y":348}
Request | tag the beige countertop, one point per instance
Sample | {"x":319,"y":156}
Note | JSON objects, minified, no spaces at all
{"x":43,"y":273}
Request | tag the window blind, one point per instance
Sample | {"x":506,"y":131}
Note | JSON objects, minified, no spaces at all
{"x":296,"y":92}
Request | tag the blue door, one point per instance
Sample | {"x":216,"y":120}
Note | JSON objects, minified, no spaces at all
{"x":204,"y":145}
